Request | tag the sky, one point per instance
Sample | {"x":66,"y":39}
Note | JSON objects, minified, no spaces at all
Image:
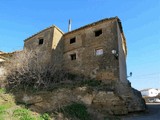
{"x":140,"y":19}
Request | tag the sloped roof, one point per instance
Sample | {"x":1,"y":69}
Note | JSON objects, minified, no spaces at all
{"x":83,"y":27}
{"x":100,"y":21}
{"x":92,"y":24}
{"x":53,"y":26}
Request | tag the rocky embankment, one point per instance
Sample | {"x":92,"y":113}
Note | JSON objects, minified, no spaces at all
{"x":121,"y":100}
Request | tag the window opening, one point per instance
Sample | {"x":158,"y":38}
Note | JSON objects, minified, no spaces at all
{"x":99,"y":52}
{"x":72,"y":40}
{"x":98,"y":33}
{"x":41,"y":41}
{"x":73,"y":56}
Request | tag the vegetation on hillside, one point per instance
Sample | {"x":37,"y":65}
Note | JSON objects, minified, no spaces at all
{"x":10,"y":111}
{"x":76,"y":111}
{"x":27,"y":71}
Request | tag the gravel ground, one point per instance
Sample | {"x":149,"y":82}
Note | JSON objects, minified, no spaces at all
{"x":152,"y":114}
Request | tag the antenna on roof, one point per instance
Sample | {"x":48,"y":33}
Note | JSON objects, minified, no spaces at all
{"x":69,"y":25}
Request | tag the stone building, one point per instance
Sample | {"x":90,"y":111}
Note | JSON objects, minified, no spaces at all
{"x":97,"y":50}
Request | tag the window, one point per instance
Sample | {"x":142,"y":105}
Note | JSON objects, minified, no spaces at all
{"x":40,"y":41}
{"x":72,"y":40}
{"x":98,"y":33}
{"x":73,"y":56}
{"x":99,"y":52}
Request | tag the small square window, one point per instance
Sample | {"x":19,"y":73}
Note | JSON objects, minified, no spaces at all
{"x":98,"y":33}
{"x":73,"y":56}
{"x":41,"y":41}
{"x":72,"y":40}
{"x":99,"y":52}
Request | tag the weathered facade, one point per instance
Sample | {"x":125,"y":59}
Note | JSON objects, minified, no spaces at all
{"x":97,"y":50}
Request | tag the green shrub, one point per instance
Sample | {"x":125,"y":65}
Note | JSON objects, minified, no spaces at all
{"x":2,"y":90}
{"x":23,"y":114}
{"x":3,"y":111}
{"x":76,"y":110}
{"x":45,"y":116}
{"x":4,"y":107}
{"x":92,"y":83}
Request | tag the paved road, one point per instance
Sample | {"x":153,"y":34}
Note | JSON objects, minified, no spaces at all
{"x":152,"y":114}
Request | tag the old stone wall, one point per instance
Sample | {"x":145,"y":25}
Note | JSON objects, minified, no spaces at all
{"x":103,"y":67}
{"x":85,"y":51}
{"x":122,"y":57}
{"x":33,"y":42}
{"x":41,"y":42}
{"x":45,"y":42}
{"x":57,"y":49}
{"x":100,"y":101}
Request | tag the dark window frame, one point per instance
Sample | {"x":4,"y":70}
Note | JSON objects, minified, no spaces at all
{"x":41,"y":41}
{"x":98,"y":32}
{"x":72,"y":40}
{"x":73,"y":56}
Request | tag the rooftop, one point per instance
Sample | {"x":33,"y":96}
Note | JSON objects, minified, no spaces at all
{"x":52,"y":26}
{"x":94,"y":23}
{"x":83,"y":27}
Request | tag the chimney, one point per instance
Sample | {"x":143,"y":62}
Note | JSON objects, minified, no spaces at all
{"x":69,"y":25}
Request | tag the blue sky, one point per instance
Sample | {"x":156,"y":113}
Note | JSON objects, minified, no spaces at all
{"x":20,"y":19}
